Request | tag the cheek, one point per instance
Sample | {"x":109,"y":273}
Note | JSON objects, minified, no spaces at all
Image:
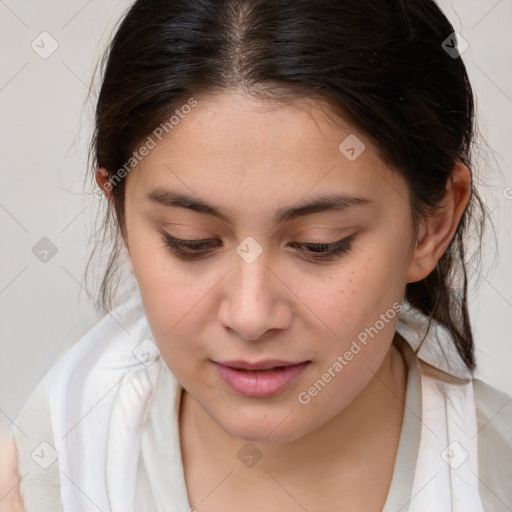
{"x":346,"y":371}
{"x":359,"y":303}
{"x":361,"y":308}
{"x":172,"y":291}
{"x":353,"y":294}
{"x":174,"y":301}
{"x":381,"y":267}
{"x":175,"y":309}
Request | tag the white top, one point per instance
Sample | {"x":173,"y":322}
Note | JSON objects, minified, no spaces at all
{"x":100,"y":430}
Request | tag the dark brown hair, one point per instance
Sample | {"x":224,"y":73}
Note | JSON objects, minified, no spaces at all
{"x":388,"y":67}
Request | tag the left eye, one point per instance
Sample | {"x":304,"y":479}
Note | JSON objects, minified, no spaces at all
{"x":195,"y":249}
{"x":326,"y":251}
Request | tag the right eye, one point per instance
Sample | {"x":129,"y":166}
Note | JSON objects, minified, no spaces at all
{"x":189,"y":249}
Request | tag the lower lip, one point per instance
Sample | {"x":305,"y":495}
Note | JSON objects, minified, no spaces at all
{"x":260,"y":384}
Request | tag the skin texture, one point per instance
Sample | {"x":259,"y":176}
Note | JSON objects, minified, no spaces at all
{"x":249,"y":158}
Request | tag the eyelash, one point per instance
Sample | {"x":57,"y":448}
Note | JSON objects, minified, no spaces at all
{"x":319,"y":251}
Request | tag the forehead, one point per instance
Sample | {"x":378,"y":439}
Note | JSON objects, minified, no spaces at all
{"x":233,"y":124}
{"x":241,"y":149}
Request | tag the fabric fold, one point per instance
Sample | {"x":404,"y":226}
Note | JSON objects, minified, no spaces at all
{"x":99,"y":396}
{"x":446,"y":476}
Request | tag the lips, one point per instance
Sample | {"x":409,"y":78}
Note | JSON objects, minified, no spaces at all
{"x":259,"y":379}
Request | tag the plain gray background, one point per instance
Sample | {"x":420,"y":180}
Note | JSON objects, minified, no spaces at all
{"x":45,"y":129}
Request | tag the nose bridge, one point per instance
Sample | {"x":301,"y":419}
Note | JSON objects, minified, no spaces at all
{"x":253,"y":278}
{"x":251,"y":265}
{"x":252,"y":295}
{"x":253,"y":288}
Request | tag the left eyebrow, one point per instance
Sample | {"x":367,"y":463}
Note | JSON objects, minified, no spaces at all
{"x":324,"y":203}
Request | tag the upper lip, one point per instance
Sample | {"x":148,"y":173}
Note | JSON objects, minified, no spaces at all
{"x":260,"y":365}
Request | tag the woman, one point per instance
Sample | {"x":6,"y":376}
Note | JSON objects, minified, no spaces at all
{"x":291,"y":183}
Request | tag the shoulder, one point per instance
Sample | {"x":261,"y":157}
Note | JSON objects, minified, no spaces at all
{"x":494,"y":431}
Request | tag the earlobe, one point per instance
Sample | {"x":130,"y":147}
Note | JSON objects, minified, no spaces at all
{"x":102,"y":179}
{"x":438,"y":230}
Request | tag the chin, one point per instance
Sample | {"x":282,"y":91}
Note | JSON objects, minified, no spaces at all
{"x":262,"y":437}
{"x":264,"y":430}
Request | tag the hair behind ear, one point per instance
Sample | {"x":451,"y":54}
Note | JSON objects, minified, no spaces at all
{"x":442,"y":293}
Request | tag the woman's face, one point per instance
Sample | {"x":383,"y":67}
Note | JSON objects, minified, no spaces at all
{"x":252,"y":292}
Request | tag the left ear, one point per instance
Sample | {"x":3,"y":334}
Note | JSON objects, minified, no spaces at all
{"x":437,"y":231}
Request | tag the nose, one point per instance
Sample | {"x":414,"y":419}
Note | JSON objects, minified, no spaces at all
{"x":254,"y":300}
